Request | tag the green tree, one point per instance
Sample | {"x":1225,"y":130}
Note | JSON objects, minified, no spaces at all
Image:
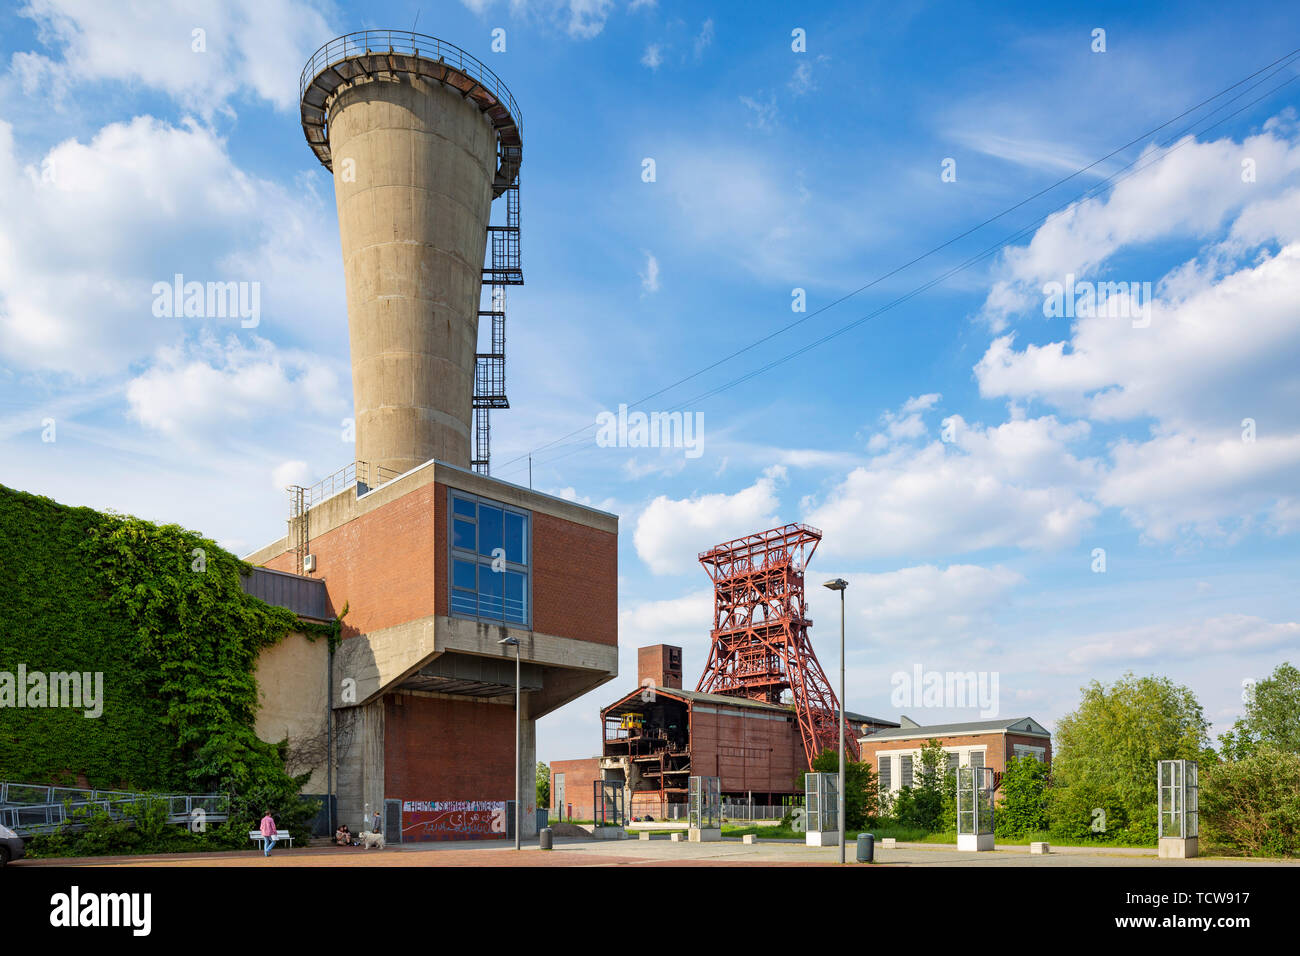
{"x":1272,"y":716}
{"x":1023,"y":808}
{"x":929,"y":802}
{"x":543,"y":785}
{"x":1108,"y":748}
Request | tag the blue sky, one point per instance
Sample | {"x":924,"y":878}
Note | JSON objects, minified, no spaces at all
{"x":127,"y":157}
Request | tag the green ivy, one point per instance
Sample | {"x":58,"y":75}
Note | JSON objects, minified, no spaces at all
{"x":160,"y":611}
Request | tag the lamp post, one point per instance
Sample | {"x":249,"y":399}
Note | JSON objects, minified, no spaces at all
{"x":519,"y":816}
{"x":839,"y":584}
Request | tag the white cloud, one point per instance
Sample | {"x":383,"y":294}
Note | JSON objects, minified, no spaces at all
{"x":1028,"y":151}
{"x":569,"y":493}
{"x":653,"y":56}
{"x":1226,"y":350}
{"x":587,"y":17}
{"x":1189,"y":189}
{"x":927,"y":603}
{"x":764,"y":114}
{"x":1214,"y":488}
{"x":683,"y":622}
{"x":85,"y":235}
{"x":904,"y":425}
{"x":1235,"y":634}
{"x":214,"y":389}
{"x":1218,"y":359}
{"x":671,"y":533}
{"x":1013,"y":485}
{"x":650,"y":277}
{"x":290,"y":473}
{"x":704,"y":39}
{"x":251,"y":46}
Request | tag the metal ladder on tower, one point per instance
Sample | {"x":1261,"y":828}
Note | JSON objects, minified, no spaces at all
{"x":501,"y":269}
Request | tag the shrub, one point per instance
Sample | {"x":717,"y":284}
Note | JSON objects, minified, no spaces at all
{"x":1252,"y":805}
{"x":1024,"y":798}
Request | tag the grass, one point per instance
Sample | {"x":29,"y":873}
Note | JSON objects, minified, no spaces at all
{"x":913,"y":835}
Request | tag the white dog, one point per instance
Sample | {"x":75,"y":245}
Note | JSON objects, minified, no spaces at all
{"x":370,"y":838}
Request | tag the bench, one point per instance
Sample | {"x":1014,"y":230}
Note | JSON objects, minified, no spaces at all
{"x":281,"y":836}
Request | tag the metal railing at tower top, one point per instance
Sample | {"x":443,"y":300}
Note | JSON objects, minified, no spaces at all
{"x":406,"y":43}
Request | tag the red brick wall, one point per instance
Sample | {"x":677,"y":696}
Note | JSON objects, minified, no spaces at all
{"x":578,"y":778}
{"x":994,"y":744}
{"x":381,"y":564}
{"x":998,"y":747}
{"x":1024,"y":741}
{"x":442,"y":749}
{"x":575,"y":580}
{"x":389,"y":567}
{"x":654,"y":662}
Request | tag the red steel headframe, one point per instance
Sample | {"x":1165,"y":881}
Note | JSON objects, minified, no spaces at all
{"x":760,"y":631}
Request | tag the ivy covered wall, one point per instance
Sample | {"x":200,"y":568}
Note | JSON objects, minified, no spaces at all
{"x":159,"y":611}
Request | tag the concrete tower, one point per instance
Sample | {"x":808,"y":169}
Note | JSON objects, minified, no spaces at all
{"x":420,"y":137}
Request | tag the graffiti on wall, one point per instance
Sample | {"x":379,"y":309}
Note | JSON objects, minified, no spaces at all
{"x":453,"y":819}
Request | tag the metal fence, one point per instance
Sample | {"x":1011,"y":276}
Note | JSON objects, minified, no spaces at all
{"x":744,"y":811}
{"x":29,"y":809}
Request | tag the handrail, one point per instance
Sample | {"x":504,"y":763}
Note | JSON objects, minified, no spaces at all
{"x":29,"y":818}
{"x":119,"y":804}
{"x":407,"y":43}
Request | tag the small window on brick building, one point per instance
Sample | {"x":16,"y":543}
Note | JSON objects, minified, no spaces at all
{"x":884,"y":783}
{"x":905,"y":774}
{"x":490,"y":556}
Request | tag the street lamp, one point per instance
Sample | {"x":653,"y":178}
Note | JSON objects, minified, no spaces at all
{"x":519,"y":816}
{"x":839,"y":584}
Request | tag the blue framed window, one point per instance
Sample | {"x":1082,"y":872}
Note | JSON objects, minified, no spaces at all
{"x":490,"y":553}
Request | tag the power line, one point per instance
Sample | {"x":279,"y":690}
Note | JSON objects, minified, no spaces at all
{"x":584,"y":444}
{"x":1280,"y":63}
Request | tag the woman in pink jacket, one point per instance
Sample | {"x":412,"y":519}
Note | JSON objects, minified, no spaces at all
{"x":268,"y":833}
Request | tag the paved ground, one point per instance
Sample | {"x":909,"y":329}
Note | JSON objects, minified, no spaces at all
{"x":655,"y":852}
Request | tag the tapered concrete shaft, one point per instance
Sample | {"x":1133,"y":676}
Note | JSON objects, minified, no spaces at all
{"x":413,"y":165}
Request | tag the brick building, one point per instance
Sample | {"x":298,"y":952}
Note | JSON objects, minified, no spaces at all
{"x":657,"y":736}
{"x":571,"y":791}
{"x":893,"y":753}
{"x":434,"y":568}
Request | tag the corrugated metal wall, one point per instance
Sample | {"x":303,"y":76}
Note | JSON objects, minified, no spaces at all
{"x":304,"y":596}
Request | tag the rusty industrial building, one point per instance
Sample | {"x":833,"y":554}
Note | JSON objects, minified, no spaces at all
{"x":762,"y":710}
{"x":660,"y":734}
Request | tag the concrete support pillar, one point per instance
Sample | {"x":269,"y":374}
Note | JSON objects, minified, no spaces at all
{"x":528,"y":771}
{"x":371,"y":740}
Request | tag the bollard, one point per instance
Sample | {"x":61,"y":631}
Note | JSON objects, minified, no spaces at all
{"x":544,"y":838}
{"x":866,"y":847}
